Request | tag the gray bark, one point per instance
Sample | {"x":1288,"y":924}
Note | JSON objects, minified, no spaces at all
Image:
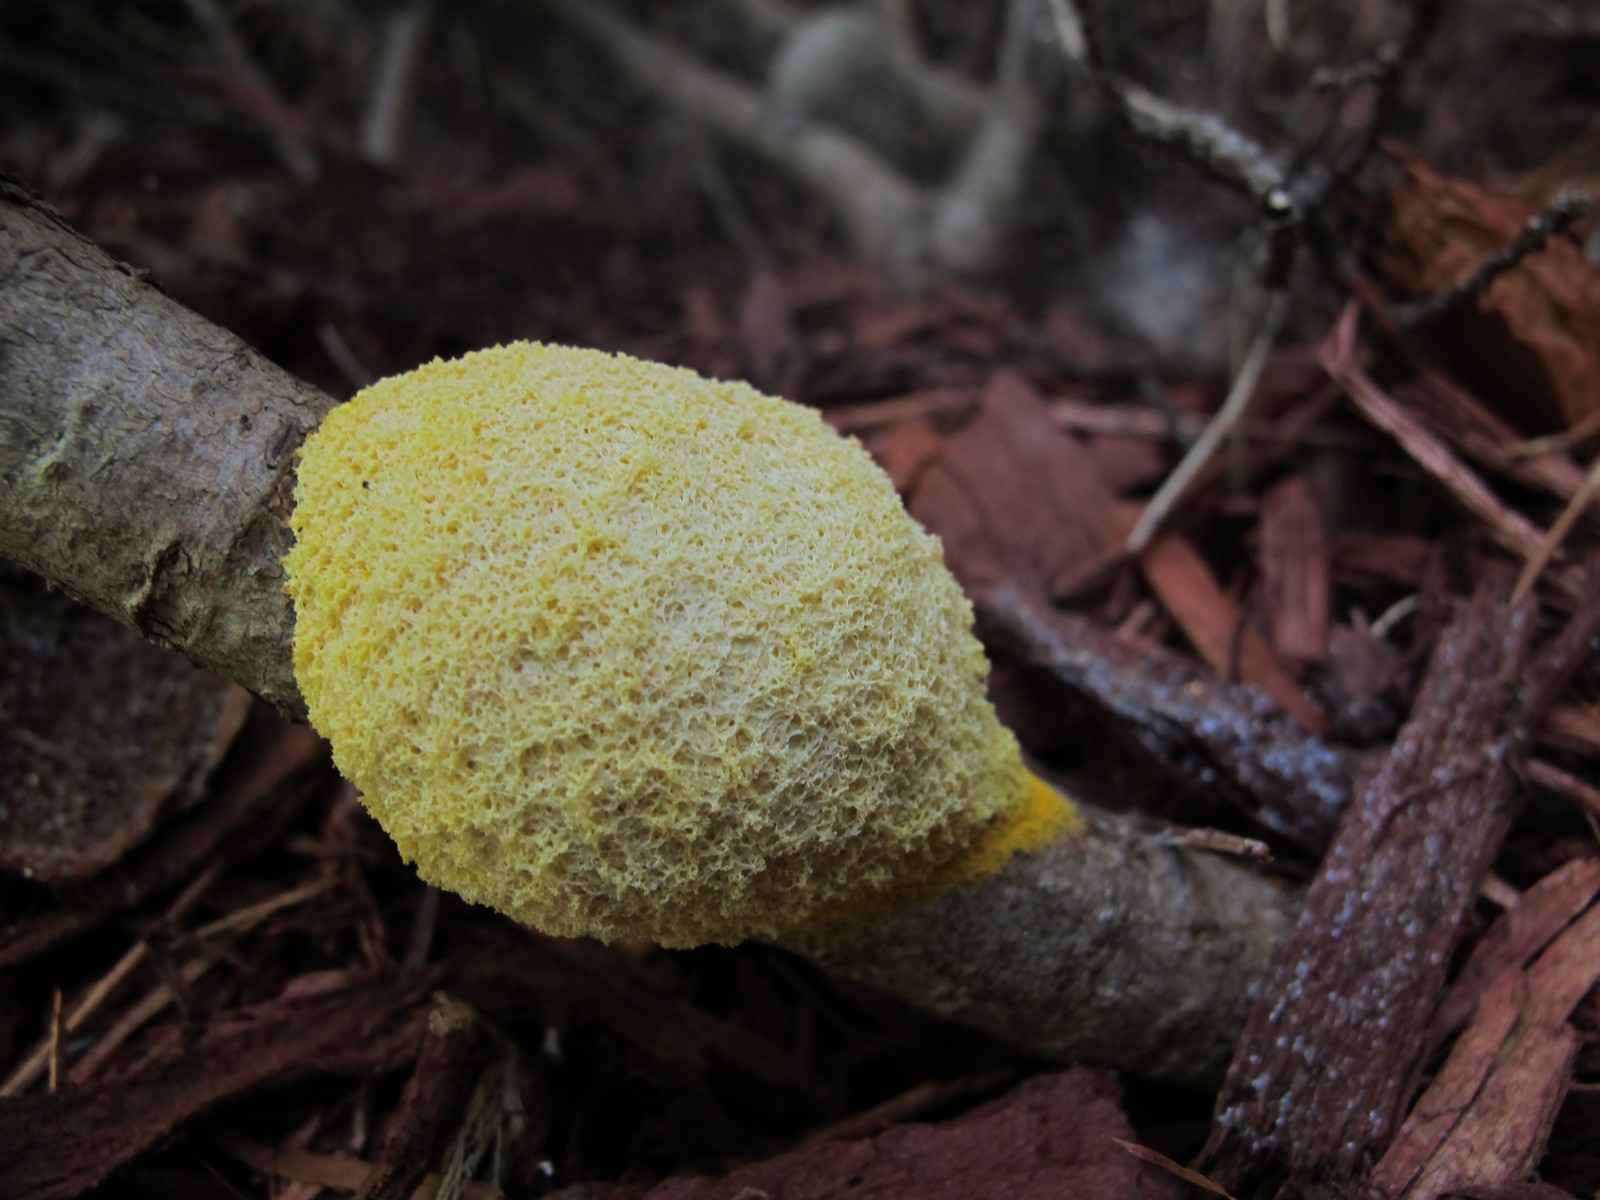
{"x":146,"y":456}
{"x":1110,"y":946}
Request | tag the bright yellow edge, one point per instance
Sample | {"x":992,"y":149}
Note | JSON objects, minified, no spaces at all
{"x":1041,"y":817}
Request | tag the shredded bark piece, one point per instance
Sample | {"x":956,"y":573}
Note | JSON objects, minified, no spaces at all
{"x":1013,"y":496}
{"x":1485,"y":1118}
{"x":430,"y":1102}
{"x":1532,"y":332}
{"x":256,"y":793}
{"x":1333,"y":1045}
{"x":1052,"y":1137}
{"x":1216,"y":626}
{"x":331,"y":1170}
{"x":247,"y":810}
{"x":1509,"y":527}
{"x":1295,"y":571}
{"x":58,"y":1144}
{"x":1512,"y":1191}
{"x":101,"y":734}
{"x":1544,"y":910}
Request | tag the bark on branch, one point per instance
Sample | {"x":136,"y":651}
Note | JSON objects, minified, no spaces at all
{"x":145,"y":455}
{"x":1111,"y":946}
{"x":146,"y":463}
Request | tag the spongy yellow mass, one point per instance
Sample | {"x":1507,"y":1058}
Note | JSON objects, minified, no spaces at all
{"x":622,"y":651}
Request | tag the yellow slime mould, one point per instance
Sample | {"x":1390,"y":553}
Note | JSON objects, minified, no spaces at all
{"x":622,"y":651}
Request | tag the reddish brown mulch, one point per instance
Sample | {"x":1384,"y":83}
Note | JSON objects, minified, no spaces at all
{"x":1362,"y":643}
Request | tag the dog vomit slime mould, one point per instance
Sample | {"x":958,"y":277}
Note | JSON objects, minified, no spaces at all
{"x":622,"y":651}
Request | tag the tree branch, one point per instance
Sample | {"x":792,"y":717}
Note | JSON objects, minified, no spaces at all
{"x":146,"y":467}
{"x":145,"y":455}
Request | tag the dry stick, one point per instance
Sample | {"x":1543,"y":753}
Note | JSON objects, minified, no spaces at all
{"x":146,"y":468}
{"x":35,"y":1063}
{"x":1391,"y":61}
{"x":1199,"y":136}
{"x":1554,"y":219}
{"x":386,"y":122}
{"x":1292,"y":197}
{"x":1211,"y":737}
{"x":1045,"y":950}
{"x":1227,"y":418}
{"x":1558,"y":532}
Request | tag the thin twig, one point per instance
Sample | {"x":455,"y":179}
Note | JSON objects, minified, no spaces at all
{"x":135,"y":1017}
{"x":392,"y":98}
{"x":38,"y":1059}
{"x":1559,"y":443}
{"x":1558,"y":532}
{"x":157,"y":999}
{"x":1576,"y":791}
{"x":1393,"y":615}
{"x":1554,"y":219}
{"x":1291,"y":193}
{"x":1227,"y":419}
{"x":55,"y":1043}
{"x":1389,"y":64}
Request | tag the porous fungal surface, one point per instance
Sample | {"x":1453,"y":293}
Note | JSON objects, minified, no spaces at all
{"x":622,"y":651}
